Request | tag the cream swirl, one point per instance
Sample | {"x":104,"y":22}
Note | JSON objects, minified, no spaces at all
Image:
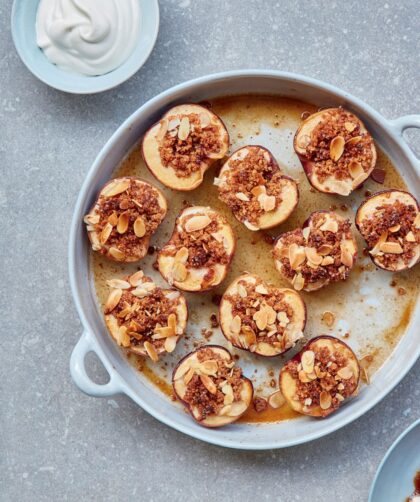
{"x":91,"y":37}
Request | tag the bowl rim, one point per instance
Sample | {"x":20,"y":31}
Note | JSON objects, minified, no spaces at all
{"x":97,"y":85}
{"x":125,"y":387}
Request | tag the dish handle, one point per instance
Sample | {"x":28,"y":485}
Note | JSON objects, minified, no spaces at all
{"x":79,"y":375}
{"x":407,"y":122}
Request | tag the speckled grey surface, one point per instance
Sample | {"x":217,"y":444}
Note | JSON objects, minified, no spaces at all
{"x":58,"y":444}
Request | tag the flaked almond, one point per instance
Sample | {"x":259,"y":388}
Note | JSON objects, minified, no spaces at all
{"x":172,"y":321}
{"x":354,"y":140}
{"x":208,"y":384}
{"x":305,"y":232}
{"x":218,"y":181}
{"x":298,"y":282}
{"x":116,"y":253}
{"x":307,"y":360}
{"x":140,"y":292}
{"x":329,"y":225}
{"x":350,"y":126}
{"x":377,"y":248}
{"x":122,"y":224}
{"x":113,"y":218}
{"x":197,"y":223}
{"x":242,"y":291}
{"x":355,"y":169}
{"x":276,"y":400}
{"x":235,"y":325}
{"x":151,"y":351}
{"x":258,"y":190}
{"x":261,"y":289}
{"x":391,"y":248}
{"x":163,"y":129}
{"x":303,"y":377}
{"x":260,"y":318}
{"x":268,"y":203}
{"x":327,"y":260}
{"x":179,"y":271}
{"x":118,"y":283}
{"x":328,"y":318}
{"x":115,"y":188}
{"x":170,"y":344}
{"x":204,"y":120}
{"x":139,"y":227}
{"x":394,"y":228}
{"x":325,"y":249}
{"x":313,"y":256}
{"x":345,"y":373}
{"x":122,"y":337}
{"x":410,"y":237}
{"x":271,"y":315}
{"x":188,"y":376}
{"x":339,"y":397}
{"x":296,"y":256}
{"x":161,"y":332}
{"x":113,"y":300}
{"x":325,"y":400}
{"x":209,"y":367}
{"x":283,"y":319}
{"x":249,"y":335}
{"x":182,"y":255}
{"x":105,"y":234}
{"x":184,"y":129}
{"x":346,"y":257}
{"x":136,"y":278}
{"x":337,"y":148}
{"x":241,"y":196}
{"x":173,"y":123}
{"x":91,"y":219}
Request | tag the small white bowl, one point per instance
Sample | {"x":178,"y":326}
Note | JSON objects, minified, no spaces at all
{"x":24,"y":37}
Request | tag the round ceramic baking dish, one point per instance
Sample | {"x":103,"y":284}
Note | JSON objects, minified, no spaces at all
{"x":122,"y":377}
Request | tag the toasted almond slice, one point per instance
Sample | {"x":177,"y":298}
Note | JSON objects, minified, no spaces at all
{"x":249,"y":335}
{"x":140,"y":292}
{"x":184,"y":129}
{"x":260,"y":318}
{"x":345,"y":373}
{"x":325,"y":400}
{"x":163,"y":129}
{"x":307,"y":360}
{"x":417,"y":221}
{"x":209,"y":367}
{"x":115,"y":188}
{"x":204,"y":120}
{"x":118,"y":283}
{"x":197,"y":223}
{"x":218,"y":181}
{"x":106,"y":232}
{"x":261,"y":289}
{"x":242,"y":291}
{"x":139,"y":227}
{"x":391,"y":248}
{"x":208,"y":384}
{"x":305,"y":232}
{"x":325,"y":249}
{"x":136,"y":278}
{"x":151,"y":351}
{"x":329,"y":225}
{"x":276,"y":400}
{"x":91,"y":219}
{"x":113,"y":299}
{"x":296,"y":256}
{"x":313,"y":256}
{"x":179,"y":271}
{"x":328,"y":260}
{"x":269,"y":203}
{"x":356,"y":169}
{"x":172,"y":321}
{"x":182,"y":255}
{"x":377,"y":248}
{"x":298,"y":282}
{"x":394,"y":229}
{"x":339,"y":397}
{"x":113,"y":219}
{"x":170,"y":344}
{"x":123,"y":221}
{"x":241,"y":196}
{"x":173,"y":123}
{"x":303,"y":377}
{"x":346,"y":258}
{"x":271,"y":315}
{"x":235,"y":325}
{"x":350,"y":126}
{"x":337,"y":148}
{"x":410,"y":237}
{"x":258,"y":190}
{"x":354,"y":140}
{"x":163,"y":332}
{"x":116,"y":253}
{"x":188,"y":376}
{"x":282,"y":318}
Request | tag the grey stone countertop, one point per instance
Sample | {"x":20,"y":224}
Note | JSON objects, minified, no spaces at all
{"x":57,"y":443}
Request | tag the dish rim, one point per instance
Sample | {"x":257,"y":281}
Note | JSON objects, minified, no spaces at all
{"x":88,"y":342}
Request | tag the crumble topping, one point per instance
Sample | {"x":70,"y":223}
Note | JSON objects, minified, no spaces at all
{"x":188,"y":141}
{"x":252,"y":185}
{"x":391,"y":233}
{"x":337,"y":147}
{"x":260,"y":314}
{"x":323,"y":378}
{"x":141,"y":314}
{"x":213,"y":384}
{"x":125,"y":212}
{"x":323,"y":251}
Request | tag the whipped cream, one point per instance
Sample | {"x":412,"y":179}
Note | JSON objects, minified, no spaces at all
{"x":89,"y":37}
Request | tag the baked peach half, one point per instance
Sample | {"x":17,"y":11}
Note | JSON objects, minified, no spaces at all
{"x":389,"y":221}
{"x":336,"y":151}
{"x":320,"y":377}
{"x":253,"y":186}
{"x":211,"y":387}
{"x":199,"y":252}
{"x":180,"y":148}
{"x":323,"y":251}
{"x":126,"y":214}
{"x":261,"y":318}
{"x":144,"y":318}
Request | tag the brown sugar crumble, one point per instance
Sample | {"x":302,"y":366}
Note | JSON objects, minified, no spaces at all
{"x":357,"y":146}
{"x":252,"y":185}
{"x":188,"y":142}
